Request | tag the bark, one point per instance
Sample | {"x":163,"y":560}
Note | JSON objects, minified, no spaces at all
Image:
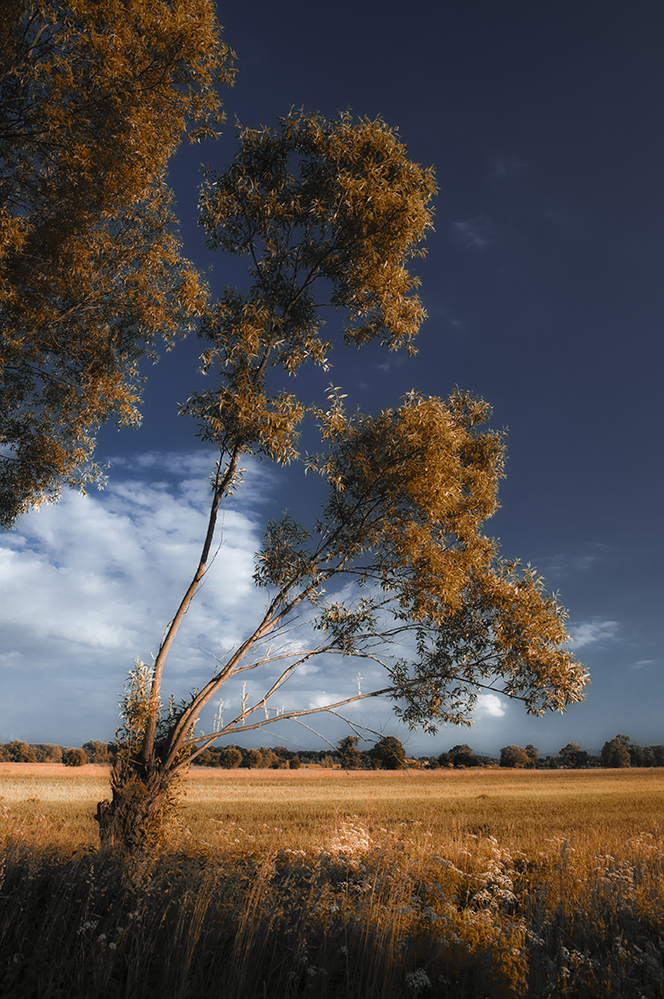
{"x":131,"y":821}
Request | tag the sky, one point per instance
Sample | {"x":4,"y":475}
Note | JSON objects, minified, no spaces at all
{"x":543,"y":287}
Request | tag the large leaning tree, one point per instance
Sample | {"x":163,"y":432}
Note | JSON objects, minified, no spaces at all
{"x":396,"y":568}
{"x":94,"y":99}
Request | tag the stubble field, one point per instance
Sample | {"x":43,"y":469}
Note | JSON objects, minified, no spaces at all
{"x":475,"y":883}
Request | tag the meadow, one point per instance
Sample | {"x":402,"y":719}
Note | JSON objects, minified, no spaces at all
{"x":279,"y":883}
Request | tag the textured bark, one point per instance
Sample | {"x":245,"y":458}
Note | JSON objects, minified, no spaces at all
{"x":130,"y":821}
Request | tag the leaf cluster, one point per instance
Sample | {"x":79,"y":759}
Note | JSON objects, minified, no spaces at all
{"x":94,"y":99}
{"x":318,"y":208}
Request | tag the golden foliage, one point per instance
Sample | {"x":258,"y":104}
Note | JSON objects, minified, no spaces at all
{"x":94,"y":99}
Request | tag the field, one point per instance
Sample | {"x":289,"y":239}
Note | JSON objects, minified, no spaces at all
{"x":478,"y":883}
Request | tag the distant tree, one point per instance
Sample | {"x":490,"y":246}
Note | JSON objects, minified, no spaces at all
{"x":463,"y":756}
{"x":573,"y":756}
{"x":658,"y":755}
{"x":96,"y":751}
{"x":74,"y":758}
{"x":349,"y":756}
{"x":330,"y":214}
{"x":48,"y":753}
{"x":533,"y":754}
{"x":444,"y":760}
{"x":515,"y":757}
{"x":231,"y":757}
{"x":389,"y":753}
{"x":254,"y":759}
{"x":20,"y":752}
{"x":637,"y":754}
{"x":294,"y":762}
{"x":94,"y":100}
{"x":270,"y":759}
{"x":615,"y":753}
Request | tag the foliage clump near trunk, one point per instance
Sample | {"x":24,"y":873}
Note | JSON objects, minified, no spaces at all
{"x":144,"y":802}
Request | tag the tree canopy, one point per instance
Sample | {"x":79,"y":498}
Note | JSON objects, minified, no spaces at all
{"x":94,"y":99}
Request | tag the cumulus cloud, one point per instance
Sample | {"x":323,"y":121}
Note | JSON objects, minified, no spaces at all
{"x":589,"y":632}
{"x":90,"y":583}
{"x":489,"y":705}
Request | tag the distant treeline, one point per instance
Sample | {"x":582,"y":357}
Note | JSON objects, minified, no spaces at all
{"x":387,"y":754}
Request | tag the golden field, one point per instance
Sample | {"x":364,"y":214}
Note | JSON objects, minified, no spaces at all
{"x":300,"y":808}
{"x":281,"y":884}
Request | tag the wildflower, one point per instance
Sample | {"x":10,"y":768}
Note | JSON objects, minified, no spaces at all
{"x":417,"y":979}
{"x":89,"y":924}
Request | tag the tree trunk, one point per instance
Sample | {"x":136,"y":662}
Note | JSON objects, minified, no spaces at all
{"x":132,"y":822}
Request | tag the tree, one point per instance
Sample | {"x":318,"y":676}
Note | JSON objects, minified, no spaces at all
{"x":48,"y":754}
{"x":389,"y":753}
{"x":270,"y":759}
{"x":533,"y":755}
{"x":255,"y":759}
{"x":573,"y":756}
{"x":615,"y":753}
{"x":463,"y":756}
{"x":96,"y":751}
{"x":231,"y":757}
{"x":515,"y":757}
{"x":349,"y":756}
{"x":74,"y":758}
{"x":396,"y":569}
{"x":94,"y":99}
{"x":20,"y":752}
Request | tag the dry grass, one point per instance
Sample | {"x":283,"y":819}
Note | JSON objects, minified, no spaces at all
{"x":376,"y":885}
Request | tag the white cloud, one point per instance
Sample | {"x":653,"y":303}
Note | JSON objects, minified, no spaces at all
{"x":642,"y":663}
{"x":90,"y":583}
{"x":589,"y":632}
{"x":489,"y":704}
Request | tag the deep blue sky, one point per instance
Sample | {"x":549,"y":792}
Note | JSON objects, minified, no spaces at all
{"x":543,"y":284}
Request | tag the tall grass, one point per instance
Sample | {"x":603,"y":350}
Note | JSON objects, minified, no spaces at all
{"x":373,"y":905}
